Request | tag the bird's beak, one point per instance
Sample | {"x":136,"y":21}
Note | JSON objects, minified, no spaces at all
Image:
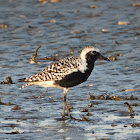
{"x":103,"y":58}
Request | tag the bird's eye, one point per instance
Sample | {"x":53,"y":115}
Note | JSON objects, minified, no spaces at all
{"x":94,"y":52}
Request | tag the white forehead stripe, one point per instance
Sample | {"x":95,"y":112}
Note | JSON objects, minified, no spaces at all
{"x":86,"y":50}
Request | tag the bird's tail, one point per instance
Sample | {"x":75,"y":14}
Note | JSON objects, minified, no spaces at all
{"x":24,"y":86}
{"x":24,"y":80}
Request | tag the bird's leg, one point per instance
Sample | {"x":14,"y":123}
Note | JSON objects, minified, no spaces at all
{"x":43,"y":94}
{"x":65,"y":107}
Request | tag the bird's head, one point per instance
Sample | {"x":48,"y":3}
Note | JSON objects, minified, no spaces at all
{"x":93,"y":53}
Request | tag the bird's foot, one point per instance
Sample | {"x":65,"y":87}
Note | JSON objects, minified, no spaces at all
{"x":72,"y":118}
{"x":41,"y":96}
{"x":69,"y":117}
{"x":65,"y":118}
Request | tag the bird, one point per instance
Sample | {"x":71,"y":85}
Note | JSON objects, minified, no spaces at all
{"x":66,"y":73}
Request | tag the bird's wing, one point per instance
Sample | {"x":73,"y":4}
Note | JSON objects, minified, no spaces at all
{"x":57,"y":70}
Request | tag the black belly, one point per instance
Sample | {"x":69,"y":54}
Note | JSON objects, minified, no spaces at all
{"x":73,"y":79}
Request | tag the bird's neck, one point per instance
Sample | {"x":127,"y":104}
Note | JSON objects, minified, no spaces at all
{"x":87,"y":64}
{"x":90,"y":63}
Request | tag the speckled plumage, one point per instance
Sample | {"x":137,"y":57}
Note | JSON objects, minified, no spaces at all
{"x":66,"y":73}
{"x":57,"y":70}
{"x":60,"y":69}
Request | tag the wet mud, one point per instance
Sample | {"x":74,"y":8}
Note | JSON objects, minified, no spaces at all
{"x":107,"y":105}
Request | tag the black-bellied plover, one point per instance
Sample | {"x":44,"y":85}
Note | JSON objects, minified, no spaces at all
{"x":66,"y":73}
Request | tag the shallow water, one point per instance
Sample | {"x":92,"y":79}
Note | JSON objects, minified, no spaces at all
{"x":75,"y":25}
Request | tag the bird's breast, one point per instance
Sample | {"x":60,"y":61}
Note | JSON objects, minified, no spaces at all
{"x":74,"y":79}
